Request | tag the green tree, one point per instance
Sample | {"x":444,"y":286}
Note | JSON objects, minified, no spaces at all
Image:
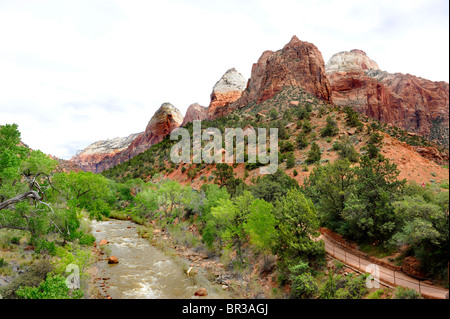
{"x":147,"y":202}
{"x":273,"y":114}
{"x":314,"y":154}
{"x":347,"y":150}
{"x":304,"y":286}
{"x":425,"y":230}
{"x":329,"y":186}
{"x":86,"y":190}
{"x":230,"y":217}
{"x":260,"y":226}
{"x":306,"y":128}
{"x":373,"y":145}
{"x":369,"y":211}
{"x":271,"y":187}
{"x":213,"y":194}
{"x":352,"y":118}
{"x":25,"y":184}
{"x":54,"y":287}
{"x":172,"y":197}
{"x":330,"y":129}
{"x":302,"y":140}
{"x":303,"y":113}
{"x":290,"y":160}
{"x":224,"y":174}
{"x":297,"y":227}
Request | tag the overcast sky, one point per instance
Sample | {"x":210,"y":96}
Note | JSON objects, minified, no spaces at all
{"x":73,"y":72}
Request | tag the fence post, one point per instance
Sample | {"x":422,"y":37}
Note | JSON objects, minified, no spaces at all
{"x":419,"y":286}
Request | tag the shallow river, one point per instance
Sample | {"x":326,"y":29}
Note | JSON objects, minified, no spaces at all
{"x":144,"y":271}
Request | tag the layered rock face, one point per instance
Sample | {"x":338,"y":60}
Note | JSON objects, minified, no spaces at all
{"x":165,"y":120}
{"x":97,"y":156}
{"x":105,"y":154}
{"x":195,"y":112}
{"x":409,"y":102}
{"x":299,"y":63}
{"x":226,"y":91}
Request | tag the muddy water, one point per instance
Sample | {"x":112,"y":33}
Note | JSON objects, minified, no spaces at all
{"x":144,"y":271}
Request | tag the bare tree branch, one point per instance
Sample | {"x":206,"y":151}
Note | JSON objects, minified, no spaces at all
{"x":13,"y":227}
{"x":27,"y":195}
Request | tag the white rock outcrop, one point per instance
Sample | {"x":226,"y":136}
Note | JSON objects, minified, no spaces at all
{"x":350,"y":61}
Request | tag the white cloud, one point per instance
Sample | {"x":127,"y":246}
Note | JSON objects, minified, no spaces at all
{"x":74,"y":72}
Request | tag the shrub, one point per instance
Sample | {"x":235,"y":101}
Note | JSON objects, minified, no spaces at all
{"x":44,"y":247}
{"x":405,"y":293}
{"x":328,"y":290}
{"x":351,"y":287}
{"x":290,"y":160}
{"x":314,"y":154}
{"x":3,"y":262}
{"x":286,"y":146}
{"x":87,"y":239}
{"x":306,"y":127}
{"x":330,"y":128}
{"x":54,"y":287}
{"x":273,"y":113}
{"x":32,"y":277}
{"x":303,"y":113}
{"x":352,"y":118}
{"x":302,"y":140}
{"x":347,"y":150}
{"x":303,"y":286}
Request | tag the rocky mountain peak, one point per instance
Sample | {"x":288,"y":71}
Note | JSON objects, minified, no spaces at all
{"x":299,"y":63}
{"x":353,"y":61}
{"x":358,"y":51}
{"x":108,"y":146}
{"x":232,"y":80}
{"x":105,"y":154}
{"x":412,"y":103}
{"x":294,"y":42}
{"x":166,"y":117}
{"x":195,"y":112}
{"x":226,"y":91}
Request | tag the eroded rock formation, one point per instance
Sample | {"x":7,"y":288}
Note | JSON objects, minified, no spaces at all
{"x":226,"y":91}
{"x":409,"y":102}
{"x":99,"y":155}
{"x":299,"y":63}
{"x":165,"y":119}
{"x":195,"y":112}
{"x":105,"y":154}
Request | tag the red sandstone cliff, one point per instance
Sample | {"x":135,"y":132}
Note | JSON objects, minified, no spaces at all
{"x":409,"y":102}
{"x":195,"y":112}
{"x":164,"y":121}
{"x":102,"y":155}
{"x":299,"y":63}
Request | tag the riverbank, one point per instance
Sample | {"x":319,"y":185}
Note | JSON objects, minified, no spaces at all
{"x":209,"y":269}
{"x":144,"y":270}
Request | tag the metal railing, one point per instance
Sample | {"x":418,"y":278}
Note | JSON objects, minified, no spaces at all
{"x":389,"y":276}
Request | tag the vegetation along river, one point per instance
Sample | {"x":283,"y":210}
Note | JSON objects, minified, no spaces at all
{"x":143,"y":270}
